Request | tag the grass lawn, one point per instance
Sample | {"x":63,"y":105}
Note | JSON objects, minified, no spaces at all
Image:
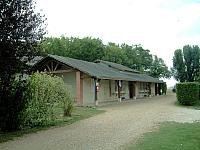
{"x":170,"y":136}
{"x":196,"y":106}
{"x":78,"y":113}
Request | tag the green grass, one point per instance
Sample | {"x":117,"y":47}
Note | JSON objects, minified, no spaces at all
{"x":170,"y":136}
{"x":78,"y":113}
{"x":196,"y":106}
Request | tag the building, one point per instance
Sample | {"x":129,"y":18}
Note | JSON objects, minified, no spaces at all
{"x":91,"y":83}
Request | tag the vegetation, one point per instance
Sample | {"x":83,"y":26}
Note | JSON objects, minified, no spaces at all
{"x":91,"y":49}
{"x":187,"y":93}
{"x":78,"y":113}
{"x":43,"y":94}
{"x":186,"y":63}
{"x":171,"y":136}
{"x":21,"y":29}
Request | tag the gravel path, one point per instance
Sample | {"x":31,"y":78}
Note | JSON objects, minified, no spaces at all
{"x":120,"y":124}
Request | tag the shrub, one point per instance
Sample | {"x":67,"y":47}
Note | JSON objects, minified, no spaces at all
{"x":187,"y":93}
{"x":43,"y":94}
{"x":12,"y":106}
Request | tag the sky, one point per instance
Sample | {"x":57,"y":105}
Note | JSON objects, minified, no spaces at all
{"x":161,"y":26}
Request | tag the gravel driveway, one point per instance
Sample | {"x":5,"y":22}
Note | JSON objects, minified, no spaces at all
{"x":120,"y":124}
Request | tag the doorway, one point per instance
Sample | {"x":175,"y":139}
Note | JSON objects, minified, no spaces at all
{"x":131,"y":89}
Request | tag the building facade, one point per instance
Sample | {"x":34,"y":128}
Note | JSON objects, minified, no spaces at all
{"x":93,"y":83}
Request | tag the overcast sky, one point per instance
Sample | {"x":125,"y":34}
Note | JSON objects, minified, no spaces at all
{"x":158,"y":25}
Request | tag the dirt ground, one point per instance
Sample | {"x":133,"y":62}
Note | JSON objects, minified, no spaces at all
{"x":119,"y":125}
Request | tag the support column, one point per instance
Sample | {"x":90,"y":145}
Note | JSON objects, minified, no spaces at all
{"x":79,"y":93}
{"x":149,"y":86}
{"x":136,"y":90}
{"x":119,"y":90}
{"x":95,"y":92}
{"x":158,"y":89}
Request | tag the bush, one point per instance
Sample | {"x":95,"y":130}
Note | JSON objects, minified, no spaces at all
{"x":43,"y":94}
{"x":12,"y":105}
{"x":187,"y":93}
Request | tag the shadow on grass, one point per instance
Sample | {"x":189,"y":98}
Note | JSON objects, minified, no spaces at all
{"x":78,"y":113}
{"x":196,"y":106}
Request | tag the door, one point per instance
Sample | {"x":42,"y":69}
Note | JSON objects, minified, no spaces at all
{"x":131,"y":89}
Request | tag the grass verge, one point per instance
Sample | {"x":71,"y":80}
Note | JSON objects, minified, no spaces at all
{"x":196,"y":106}
{"x":170,"y":136}
{"x":78,"y":113}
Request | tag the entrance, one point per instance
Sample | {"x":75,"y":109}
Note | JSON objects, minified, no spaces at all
{"x":131,"y":89}
{"x":156,"y":89}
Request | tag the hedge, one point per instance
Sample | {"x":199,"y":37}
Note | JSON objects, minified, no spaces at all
{"x":43,"y":94}
{"x":187,"y":93}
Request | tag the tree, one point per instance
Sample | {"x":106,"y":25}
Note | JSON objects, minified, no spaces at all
{"x":159,"y":69}
{"x":88,"y":49}
{"x":178,"y":69}
{"x":144,"y":59}
{"x":186,"y":63}
{"x":115,"y":54}
{"x":20,"y":31}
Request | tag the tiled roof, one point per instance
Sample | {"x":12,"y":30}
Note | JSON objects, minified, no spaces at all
{"x":104,"y":69}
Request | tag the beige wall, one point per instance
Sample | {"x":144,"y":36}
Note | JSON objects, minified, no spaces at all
{"x":138,"y":95}
{"x":88,"y":91}
{"x":107,"y":91}
{"x":152,"y":89}
{"x":125,"y":89}
{"x":104,"y":94}
{"x":70,"y":81}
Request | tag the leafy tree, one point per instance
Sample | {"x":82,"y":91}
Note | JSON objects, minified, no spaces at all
{"x":115,"y":54}
{"x":178,"y":69}
{"x":56,"y":45}
{"x":186,"y":63}
{"x":20,"y":30}
{"x":132,"y":60}
{"x":145,"y":59}
{"x":88,"y":49}
{"x":191,"y":57}
{"x":159,"y":69}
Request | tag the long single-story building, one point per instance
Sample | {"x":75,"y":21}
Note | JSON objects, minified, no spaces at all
{"x":91,"y":83}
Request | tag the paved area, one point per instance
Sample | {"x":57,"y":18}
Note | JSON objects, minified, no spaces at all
{"x":120,"y":124}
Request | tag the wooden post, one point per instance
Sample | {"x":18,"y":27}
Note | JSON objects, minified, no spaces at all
{"x":118,"y":88}
{"x":149,"y":86}
{"x":158,"y":93}
{"x":78,"y":88}
{"x":135,"y":90}
{"x":95,"y":92}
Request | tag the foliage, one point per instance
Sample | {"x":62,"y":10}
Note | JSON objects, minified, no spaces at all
{"x":43,"y":94}
{"x":187,"y":93}
{"x":91,"y":49}
{"x":14,"y":104}
{"x":88,"y":49}
{"x":115,"y":54}
{"x":21,"y":29}
{"x":159,"y":68}
{"x":170,"y":136}
{"x":186,"y":63}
